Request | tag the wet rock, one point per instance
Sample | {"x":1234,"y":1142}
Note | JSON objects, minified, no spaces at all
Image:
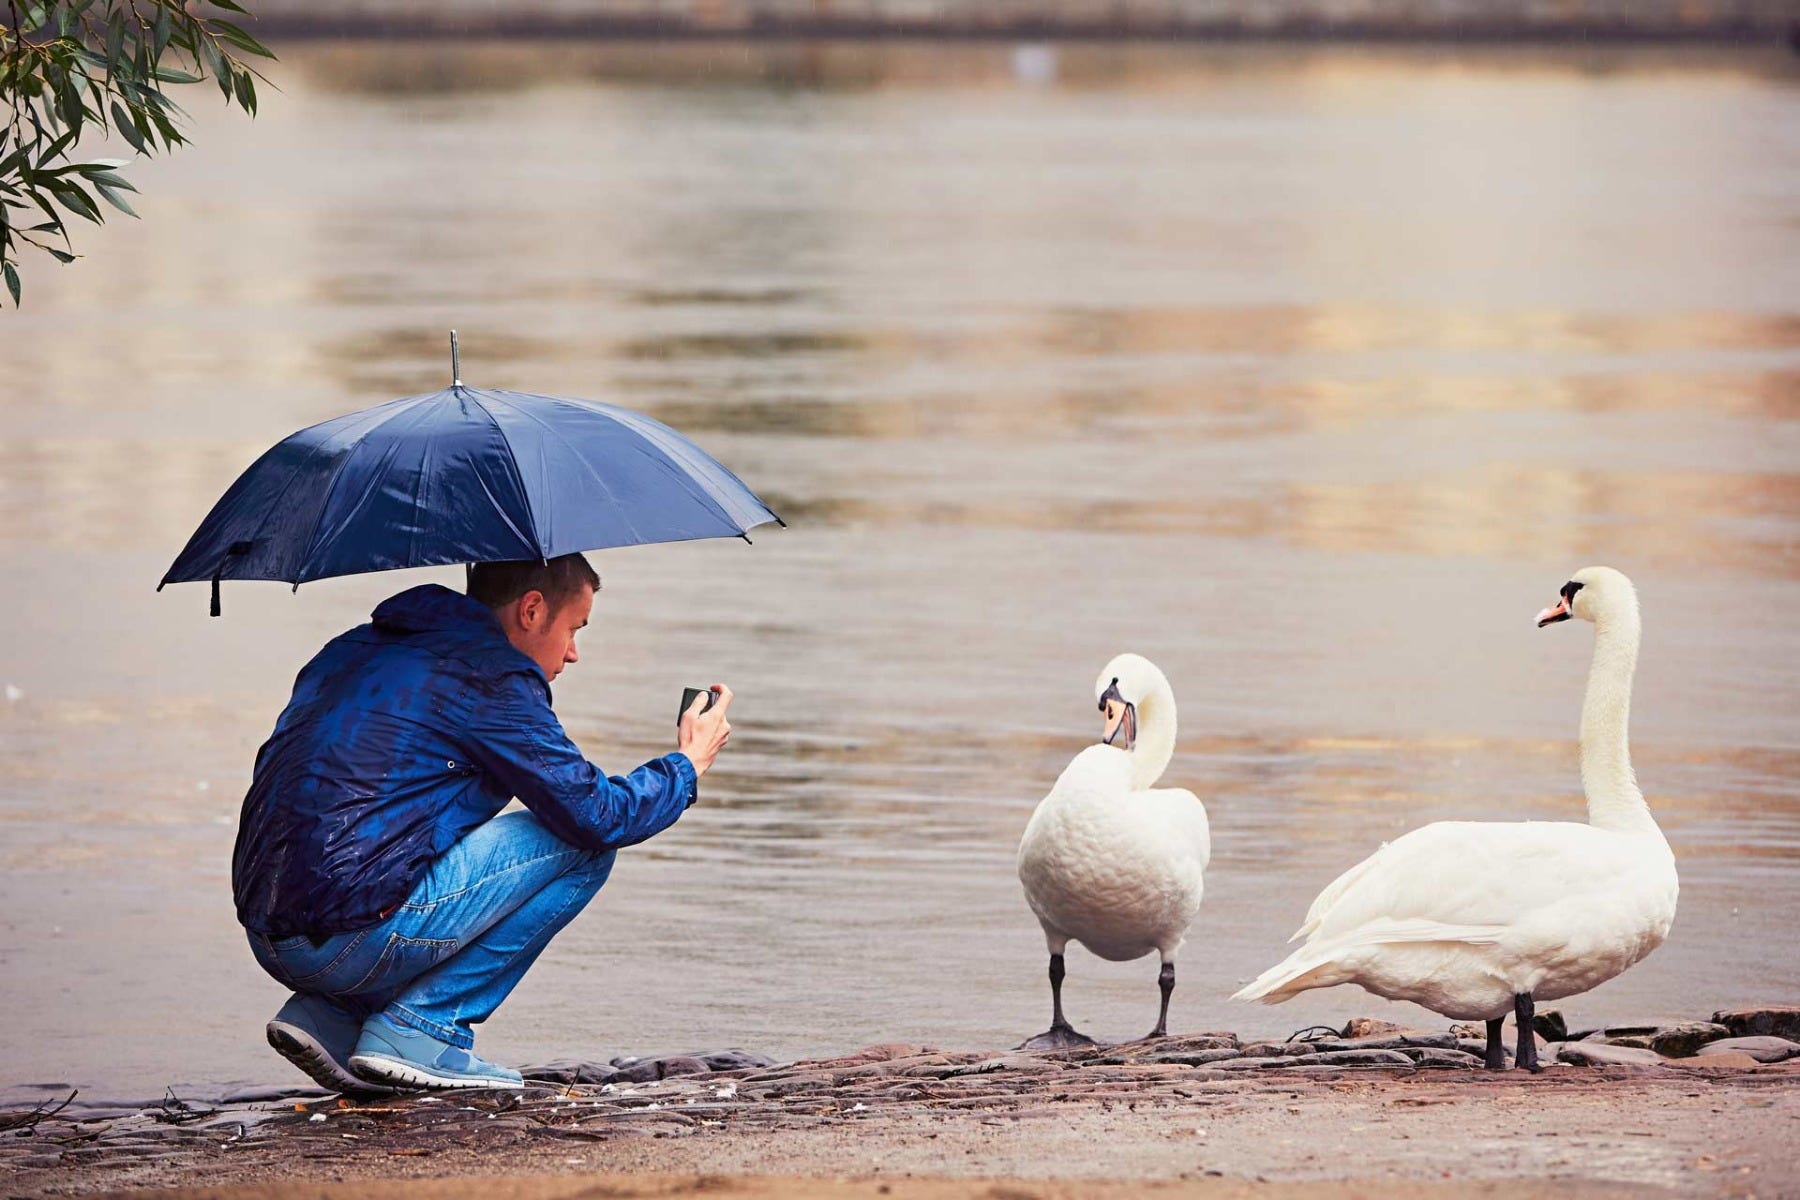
{"x":1683,"y":1041}
{"x":1550,"y":1026}
{"x":570,"y":1071}
{"x":1006,"y":1062}
{"x":1732,"y":1061}
{"x":1196,"y":1058}
{"x":1428,"y":1056}
{"x":1780,"y":1020}
{"x":648,"y":1070}
{"x":1354,"y":1058}
{"x":734,"y":1060}
{"x":1276,"y":1049}
{"x":1362,"y":1027}
{"x":1762,"y":1049}
{"x":1606,"y":1054}
{"x":1624,"y":1035}
{"x":270,"y":1095}
{"x":883,"y":1052}
{"x":1335,"y":1058}
{"x":1194,"y":1042}
{"x":1391,"y":1041}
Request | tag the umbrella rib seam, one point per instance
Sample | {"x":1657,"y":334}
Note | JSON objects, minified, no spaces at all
{"x":512,"y":463}
{"x":312,"y":539}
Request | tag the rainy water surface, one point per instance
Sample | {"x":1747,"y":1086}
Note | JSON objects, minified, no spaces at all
{"x":1309,"y":374}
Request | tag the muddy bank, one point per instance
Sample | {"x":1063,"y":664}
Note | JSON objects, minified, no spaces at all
{"x":1710,"y":1112}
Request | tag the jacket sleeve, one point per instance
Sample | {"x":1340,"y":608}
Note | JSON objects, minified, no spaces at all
{"x":515,"y":737}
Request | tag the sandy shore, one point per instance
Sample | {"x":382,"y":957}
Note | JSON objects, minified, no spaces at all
{"x":910,"y":1121}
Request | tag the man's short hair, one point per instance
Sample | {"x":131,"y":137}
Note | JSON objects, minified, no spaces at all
{"x":497,"y":584}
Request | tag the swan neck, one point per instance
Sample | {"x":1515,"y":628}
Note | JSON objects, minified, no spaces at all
{"x":1614,"y":801}
{"x":1155,"y":740}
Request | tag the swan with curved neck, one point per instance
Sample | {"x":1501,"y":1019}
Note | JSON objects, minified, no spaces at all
{"x":1108,"y":859}
{"x":1477,"y":919}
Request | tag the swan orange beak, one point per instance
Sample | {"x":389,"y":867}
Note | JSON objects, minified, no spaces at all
{"x":1121,"y":724}
{"x":1556,"y":612}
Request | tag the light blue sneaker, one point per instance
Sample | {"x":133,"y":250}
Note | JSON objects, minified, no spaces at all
{"x":392,"y":1054}
{"x":317,"y":1036}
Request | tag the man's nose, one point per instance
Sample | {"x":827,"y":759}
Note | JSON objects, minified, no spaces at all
{"x":573,"y":655}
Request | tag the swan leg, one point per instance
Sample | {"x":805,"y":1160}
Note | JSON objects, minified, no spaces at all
{"x":1495,"y":1059}
{"x":1061,"y":1035}
{"x":1524,"y":1013}
{"x":1165,"y":981}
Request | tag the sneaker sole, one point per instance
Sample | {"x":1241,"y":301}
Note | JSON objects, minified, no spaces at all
{"x":410,"y":1074}
{"x":298,"y":1047}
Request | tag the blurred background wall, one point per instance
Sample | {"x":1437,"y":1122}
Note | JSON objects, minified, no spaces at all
{"x":1718,"y":20}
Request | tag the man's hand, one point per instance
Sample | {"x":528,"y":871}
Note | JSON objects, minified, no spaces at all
{"x":701,"y":737}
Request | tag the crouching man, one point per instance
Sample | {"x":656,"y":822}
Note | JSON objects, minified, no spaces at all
{"x":372,"y":872}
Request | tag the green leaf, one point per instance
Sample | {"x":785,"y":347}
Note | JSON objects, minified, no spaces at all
{"x":239,"y":38}
{"x":12,"y":283}
{"x":56,"y":148}
{"x":74,"y":197}
{"x":245,"y":91}
{"x":227,"y":4}
{"x":115,"y":44}
{"x":215,"y":64}
{"x":122,"y":121}
{"x":171,"y":75}
{"x":60,"y":255}
{"x":99,"y":173}
{"x":112,"y":197}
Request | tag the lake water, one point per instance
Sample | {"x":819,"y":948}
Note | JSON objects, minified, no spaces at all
{"x":1310,"y":374}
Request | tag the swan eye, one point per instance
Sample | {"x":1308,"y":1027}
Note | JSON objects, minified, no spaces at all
{"x":1569,"y":589}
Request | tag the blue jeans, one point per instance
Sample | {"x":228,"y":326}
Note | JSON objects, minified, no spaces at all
{"x":445,"y":959}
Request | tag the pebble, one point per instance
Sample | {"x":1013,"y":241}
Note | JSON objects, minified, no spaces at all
{"x":1781,"y":1021}
{"x":1762,"y":1049}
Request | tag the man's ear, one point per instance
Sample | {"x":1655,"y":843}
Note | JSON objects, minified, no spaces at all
{"x":533,"y":610}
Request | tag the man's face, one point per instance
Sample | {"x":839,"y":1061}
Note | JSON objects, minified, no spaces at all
{"x":546,"y":635}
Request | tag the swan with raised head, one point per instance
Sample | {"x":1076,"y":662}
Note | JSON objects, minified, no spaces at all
{"x":1108,"y":859}
{"x":1475,"y":919}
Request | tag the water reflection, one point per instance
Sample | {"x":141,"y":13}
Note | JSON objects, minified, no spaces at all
{"x":1308,"y":374}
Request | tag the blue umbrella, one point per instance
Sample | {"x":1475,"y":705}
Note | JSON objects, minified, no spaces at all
{"x":464,"y":475}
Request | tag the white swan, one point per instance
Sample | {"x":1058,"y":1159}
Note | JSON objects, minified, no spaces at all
{"x":1475,"y":919}
{"x":1108,"y":861}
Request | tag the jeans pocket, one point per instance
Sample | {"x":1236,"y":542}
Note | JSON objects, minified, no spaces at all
{"x":402,"y":960}
{"x":299,"y":964}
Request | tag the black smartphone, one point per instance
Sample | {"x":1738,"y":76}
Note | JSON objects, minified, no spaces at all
{"x":687,"y":700}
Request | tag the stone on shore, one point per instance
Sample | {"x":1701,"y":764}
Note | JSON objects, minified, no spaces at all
{"x":1777,"y":1020}
{"x":1762,"y":1049}
{"x":1686,"y":1039}
{"x":1607,"y":1054}
{"x":1723,"y":1062}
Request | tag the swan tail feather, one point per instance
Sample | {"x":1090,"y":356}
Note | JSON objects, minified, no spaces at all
{"x":1317,"y":964}
{"x":1334,"y":891}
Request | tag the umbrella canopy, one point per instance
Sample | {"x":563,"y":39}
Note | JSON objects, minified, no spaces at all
{"x":463,"y":475}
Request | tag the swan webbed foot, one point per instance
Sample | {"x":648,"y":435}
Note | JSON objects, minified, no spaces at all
{"x":1059,"y":1037}
{"x":1495,"y":1059}
{"x":1525,"y":1017}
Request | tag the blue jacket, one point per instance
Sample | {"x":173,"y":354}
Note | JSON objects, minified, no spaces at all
{"x":403,"y":735}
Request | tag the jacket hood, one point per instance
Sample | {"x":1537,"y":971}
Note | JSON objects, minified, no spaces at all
{"x":432,"y":607}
